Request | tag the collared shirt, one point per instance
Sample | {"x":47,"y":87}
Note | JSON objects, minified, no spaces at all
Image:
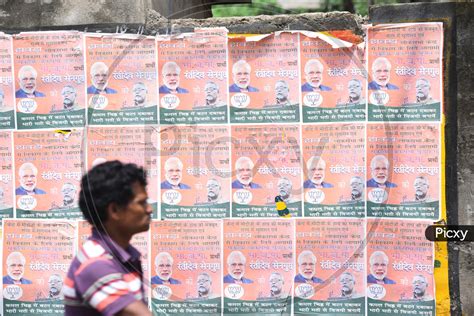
{"x":8,"y":280}
{"x":181,"y":186}
{"x":236,"y":184}
{"x":23,"y":94}
{"x":22,"y":191}
{"x":94,"y":90}
{"x":103,"y":278}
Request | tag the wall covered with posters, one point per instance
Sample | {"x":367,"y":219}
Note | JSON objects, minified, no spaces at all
{"x":346,"y":130}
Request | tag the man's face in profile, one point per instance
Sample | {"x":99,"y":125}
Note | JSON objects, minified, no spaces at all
{"x":355,"y":89}
{"x":281,"y":91}
{"x":16,"y":268}
{"x":380,"y":171}
{"x":381,"y":74}
{"x":276,"y":284}
{"x":421,"y":188}
{"x":284,"y":188}
{"x":307,"y":267}
{"x":139,"y":94}
{"x":357,"y":187}
{"x":211,"y":91}
{"x":245,"y":173}
{"x":174,"y":173}
{"x":213,"y":189}
{"x":55,"y":285}
{"x":419,"y":286}
{"x":236,"y":267}
{"x":100,"y":78}
{"x":379,"y":268}
{"x":317,"y":172}
{"x":347,"y":284}
{"x":241,"y":77}
{"x":28,"y":179}
{"x":204,"y":285}
{"x":171,"y":78}
{"x":314,"y":75}
{"x":422,"y":90}
{"x":69,"y":193}
{"x":164,"y":269}
{"x":69,"y":97}
{"x":28,"y":82}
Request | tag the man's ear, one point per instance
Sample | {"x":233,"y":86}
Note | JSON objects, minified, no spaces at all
{"x":113,"y":211}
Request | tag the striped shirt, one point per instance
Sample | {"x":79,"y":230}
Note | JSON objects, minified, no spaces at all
{"x":103,"y":278}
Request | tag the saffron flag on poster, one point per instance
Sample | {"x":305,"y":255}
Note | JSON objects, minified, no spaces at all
{"x":400,"y":267}
{"x":138,"y":144}
{"x":195,"y":172}
{"x":403,"y":170}
{"x":267,"y":163}
{"x":333,"y":79}
{"x":334,"y":170}
{"x":36,"y":257}
{"x":121,"y":79}
{"x":405,"y":72}
{"x":186,"y":267}
{"x":263,"y":84}
{"x":193,"y":77}
{"x":258,"y":256}
{"x":48,"y":187}
{"x":49,"y":73}
{"x":7,"y":104}
{"x":330,"y":264}
{"x":6,"y":175}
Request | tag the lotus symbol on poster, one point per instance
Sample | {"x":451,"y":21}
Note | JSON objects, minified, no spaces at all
{"x":376,"y":291}
{"x":26,"y":202}
{"x":315,"y":196}
{"x":240,"y":100}
{"x":98,"y":102}
{"x":304,"y":290}
{"x":27,"y":106}
{"x":12,"y":292}
{"x":379,"y":97}
{"x":162,"y":292}
{"x":172,"y":197}
{"x":242,"y":196}
{"x":170,"y":101}
{"x":313,"y":99}
{"x":234,"y":291}
{"x":378,"y":195}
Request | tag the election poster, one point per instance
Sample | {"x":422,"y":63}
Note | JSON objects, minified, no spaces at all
{"x":195,"y":169}
{"x":36,"y":257}
{"x":263,"y":78}
{"x":128,"y":144}
{"x":49,"y":79}
{"x":400,"y":268}
{"x":330,"y":276}
{"x":267,"y":163}
{"x":334,"y":170}
{"x":258,"y":255}
{"x":193,"y":77}
{"x":48,"y":171}
{"x":6,"y":174}
{"x":121,"y":79}
{"x":405,"y":72}
{"x":7,"y":104}
{"x":403,"y":170}
{"x":333,"y":79}
{"x":186,"y":267}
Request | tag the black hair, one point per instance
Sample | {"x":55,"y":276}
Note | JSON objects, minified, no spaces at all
{"x":108,"y":182}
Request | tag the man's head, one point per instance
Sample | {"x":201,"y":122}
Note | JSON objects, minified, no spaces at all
{"x":244,"y":170}
{"x":55,"y":283}
{"x":170,"y":73}
{"x":381,"y":71}
{"x":357,"y":188}
{"x":213,"y":190}
{"x":236,"y":264}
{"x":164,"y":265}
{"x":174,"y":170}
{"x":27,"y":76}
{"x":282,"y":91}
{"x":419,"y":284}
{"x":347,"y":282}
{"x":99,"y":75}
{"x":113,"y":196}
{"x":69,"y":193}
{"x":313,"y":70}
{"x":69,"y":97}
{"x":276,"y":284}
{"x":316,"y":170}
{"x":423,"y":88}
{"x":355,"y":90}
{"x":284,"y":187}
{"x":379,"y":168}
{"x":378,"y":265}
{"x":139,"y":94}
{"x":204,"y":283}
{"x":212,"y":92}
{"x":421,"y":186}
{"x":28,"y":173}
{"x":307,"y":264}
{"x":241,"y":74}
{"x":16,"y":265}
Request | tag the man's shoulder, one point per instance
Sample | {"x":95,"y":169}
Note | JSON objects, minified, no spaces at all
{"x":326,"y":185}
{"x":91,"y":90}
{"x":391,"y":86}
{"x":163,"y":89}
{"x":236,"y":184}
{"x":254,"y":185}
{"x":246,"y":281}
{"x":371,"y":183}
{"x":39,"y":191}
{"x":388,"y":281}
{"x":184,"y":186}
{"x":234,"y":88}
{"x":306,"y":87}
{"x":110,"y":91}
{"x":182,"y":90}
{"x":252,"y":89}
{"x":373,"y":85}
{"x":7,"y":280}
{"x":308,"y":184}
{"x":174,"y":281}
{"x":325,"y":88}
{"x":228,"y":279}
{"x":165,"y":185}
